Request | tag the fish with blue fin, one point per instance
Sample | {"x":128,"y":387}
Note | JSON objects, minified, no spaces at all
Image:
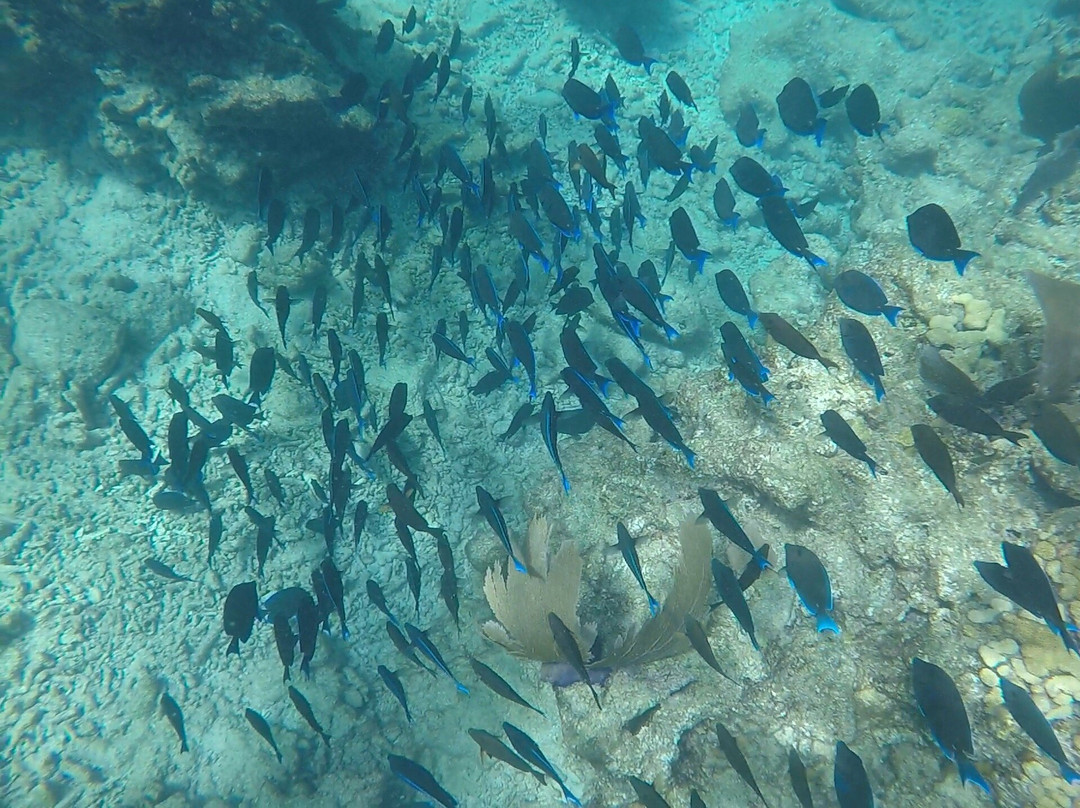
{"x":941,"y":705}
{"x":626,"y":544}
{"x":810,"y":580}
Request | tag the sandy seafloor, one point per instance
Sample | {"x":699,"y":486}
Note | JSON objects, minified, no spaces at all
{"x":90,"y":639}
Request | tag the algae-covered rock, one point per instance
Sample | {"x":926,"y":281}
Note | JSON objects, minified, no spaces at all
{"x":67,"y":342}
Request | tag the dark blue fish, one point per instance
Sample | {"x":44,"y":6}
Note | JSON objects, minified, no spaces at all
{"x":799,"y":784}
{"x":591,"y":402}
{"x":850,"y":780}
{"x":523,"y":351}
{"x":1027,"y":714}
{"x":420,"y":779}
{"x":841,"y":433}
{"x":549,"y":430}
{"x":861,"y":292}
{"x":445,"y":345}
{"x":718,"y":513}
{"x":724,"y":204}
{"x":241,"y":606}
{"x":422,"y":644}
{"x":727,"y":584}
{"x":310,"y":233}
{"x":630,"y":48}
{"x":864,"y":112}
{"x":752,"y":177}
{"x":375,"y":594}
{"x":863,"y":353}
{"x":489,"y":509}
{"x":810,"y":580}
{"x":685,"y":238}
{"x":1025,"y":583}
{"x":632,"y":328}
{"x":531,"y":753}
{"x":730,"y":747}
{"x":934,"y":236}
{"x":940,"y":703}
{"x":528,"y":239}
{"x":741,"y":352}
{"x":260,"y":725}
{"x":784,"y":227}
{"x":799,"y":110}
{"x":747,"y":128}
{"x":650,"y":407}
{"x":393,"y":684}
{"x":626,"y":546}
{"x":303,"y":706}
{"x":637,"y":294}
{"x":557,"y":211}
{"x":734,"y":296}
{"x":450,"y":160}
{"x":585,"y":102}
{"x":353,"y":388}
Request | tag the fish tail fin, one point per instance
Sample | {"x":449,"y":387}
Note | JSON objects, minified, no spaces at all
{"x":1069,"y":774}
{"x":751,"y":318}
{"x":819,"y":131}
{"x":648,"y":63}
{"x":815,"y":261}
{"x":565,"y":483}
{"x":766,"y":397}
{"x":961,"y":258}
{"x":891,"y":313}
{"x":825,"y":622}
{"x":689,"y":457}
{"x":519,"y":566}
{"x":873,"y":467}
{"x":602,"y":383}
{"x":733,"y":222}
{"x":461,"y":688}
{"x":827,"y":363}
{"x":670,"y":332}
{"x":1013,"y":437}
{"x":969,"y":774}
{"x":569,"y":798}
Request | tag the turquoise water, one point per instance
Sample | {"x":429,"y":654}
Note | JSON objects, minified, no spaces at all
{"x":134,"y":144}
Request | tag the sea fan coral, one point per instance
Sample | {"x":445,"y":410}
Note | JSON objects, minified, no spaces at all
{"x":1059,"y":365}
{"x":521,"y":603}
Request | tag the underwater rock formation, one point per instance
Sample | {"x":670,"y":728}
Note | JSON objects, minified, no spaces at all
{"x":190,"y":90}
